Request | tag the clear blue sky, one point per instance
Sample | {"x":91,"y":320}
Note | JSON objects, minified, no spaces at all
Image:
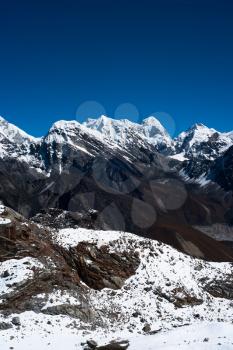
{"x":174,"y":56}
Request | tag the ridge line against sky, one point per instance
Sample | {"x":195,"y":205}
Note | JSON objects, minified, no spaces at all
{"x":163,"y":55}
{"x":137,"y":122}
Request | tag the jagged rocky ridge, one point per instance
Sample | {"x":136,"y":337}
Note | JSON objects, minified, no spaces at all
{"x":95,"y":286}
{"x":199,"y":148}
{"x":122,"y":172}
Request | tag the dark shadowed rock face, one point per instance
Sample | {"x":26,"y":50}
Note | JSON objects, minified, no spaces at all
{"x":221,"y":170}
{"x":58,"y":218}
{"x":222,"y":288}
{"x":93,"y":265}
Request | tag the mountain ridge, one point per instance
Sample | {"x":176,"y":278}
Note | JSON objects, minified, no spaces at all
{"x":194,"y":151}
{"x":152,"y":118}
{"x":132,"y":186}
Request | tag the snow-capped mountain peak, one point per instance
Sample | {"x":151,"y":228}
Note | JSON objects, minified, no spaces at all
{"x":124,"y":131}
{"x":61,"y":130}
{"x":199,"y":146}
{"x":64,"y":124}
{"x":153,"y":121}
{"x":152,"y":128}
{"x":107,"y":126}
{"x":199,"y":126}
{"x":73,"y":132}
{"x":12,"y":133}
{"x":198,"y":135}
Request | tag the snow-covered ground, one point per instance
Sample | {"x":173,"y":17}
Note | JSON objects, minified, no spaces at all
{"x":202,"y":336}
{"x":15,"y":272}
{"x":71,"y":237}
{"x":166,"y":296}
{"x":40,"y":332}
{"x":163,"y":269}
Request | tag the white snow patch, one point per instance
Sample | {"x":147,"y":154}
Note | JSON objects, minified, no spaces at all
{"x":180,"y":156}
{"x":2,"y":209}
{"x":58,"y":297}
{"x":72,"y":237}
{"x":4,"y":221}
{"x":18,"y":271}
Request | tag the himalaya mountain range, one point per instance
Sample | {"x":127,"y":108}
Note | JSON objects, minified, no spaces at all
{"x":135,"y":177}
{"x":197,"y":143}
{"x":114,"y":236}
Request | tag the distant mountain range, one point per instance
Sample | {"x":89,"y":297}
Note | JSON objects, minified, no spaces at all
{"x":199,"y":141}
{"x":135,"y":176}
{"x":197,"y":149}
